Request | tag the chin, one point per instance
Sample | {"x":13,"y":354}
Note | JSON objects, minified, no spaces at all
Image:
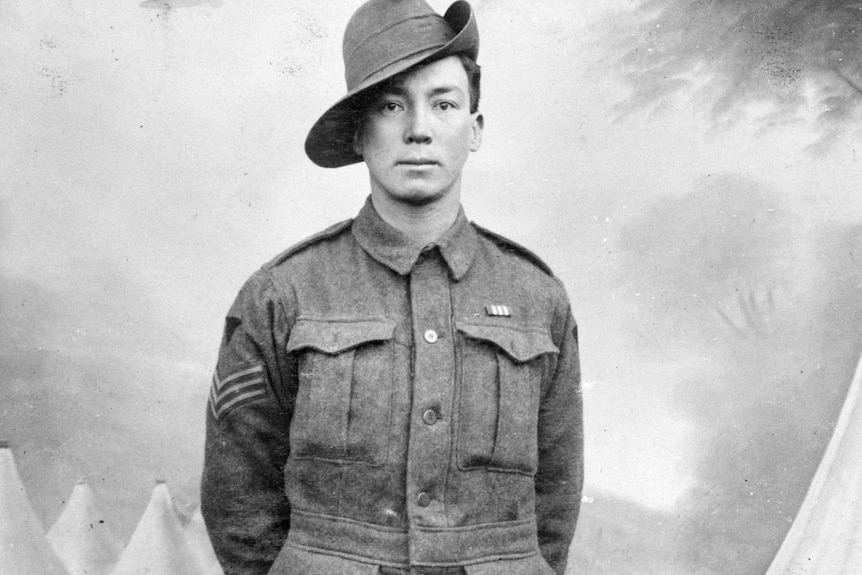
{"x":419,"y":197}
{"x":422,"y":199}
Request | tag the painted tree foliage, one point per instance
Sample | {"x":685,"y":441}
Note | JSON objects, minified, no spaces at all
{"x":790,"y":60}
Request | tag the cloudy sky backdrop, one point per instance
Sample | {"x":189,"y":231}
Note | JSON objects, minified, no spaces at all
{"x":151,"y":159}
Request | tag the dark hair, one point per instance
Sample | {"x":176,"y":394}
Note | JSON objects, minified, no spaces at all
{"x":474,"y":76}
{"x":363,"y":102}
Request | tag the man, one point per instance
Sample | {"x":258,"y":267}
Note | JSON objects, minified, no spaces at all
{"x":400,"y":392}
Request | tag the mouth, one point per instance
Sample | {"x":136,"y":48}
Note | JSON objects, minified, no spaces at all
{"x":417,"y":162}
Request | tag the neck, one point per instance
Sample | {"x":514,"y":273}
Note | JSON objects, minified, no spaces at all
{"x":423,"y":223}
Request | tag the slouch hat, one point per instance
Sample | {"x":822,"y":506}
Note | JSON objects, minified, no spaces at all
{"x":384,"y":38}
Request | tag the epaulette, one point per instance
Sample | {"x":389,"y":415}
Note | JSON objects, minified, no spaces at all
{"x":514,"y":247}
{"x":329,"y":232}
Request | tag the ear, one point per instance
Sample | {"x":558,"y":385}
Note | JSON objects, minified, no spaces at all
{"x":357,"y":140}
{"x":478,"y":126}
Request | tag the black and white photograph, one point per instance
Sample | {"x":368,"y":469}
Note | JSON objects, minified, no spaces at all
{"x":430,"y":287}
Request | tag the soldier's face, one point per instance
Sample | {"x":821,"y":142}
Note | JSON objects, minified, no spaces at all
{"x":418,"y":133}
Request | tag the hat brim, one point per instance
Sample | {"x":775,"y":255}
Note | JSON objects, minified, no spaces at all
{"x":330,"y":141}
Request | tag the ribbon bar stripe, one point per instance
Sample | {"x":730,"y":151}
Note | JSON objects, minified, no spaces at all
{"x":498,"y":310}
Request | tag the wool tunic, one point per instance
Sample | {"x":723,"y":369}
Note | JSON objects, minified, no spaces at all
{"x":378,"y":402}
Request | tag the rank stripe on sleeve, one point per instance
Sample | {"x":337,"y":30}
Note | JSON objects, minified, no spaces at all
{"x":236,"y":389}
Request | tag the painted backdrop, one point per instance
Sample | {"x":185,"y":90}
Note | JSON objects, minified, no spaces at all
{"x":692,"y":177}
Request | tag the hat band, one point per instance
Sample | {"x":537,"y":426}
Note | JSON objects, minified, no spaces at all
{"x":397,"y":42}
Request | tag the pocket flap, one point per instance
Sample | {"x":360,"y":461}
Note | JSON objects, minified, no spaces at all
{"x":521,"y":346}
{"x":334,"y":337}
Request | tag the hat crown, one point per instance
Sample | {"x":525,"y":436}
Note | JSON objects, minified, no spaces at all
{"x":383,"y":32}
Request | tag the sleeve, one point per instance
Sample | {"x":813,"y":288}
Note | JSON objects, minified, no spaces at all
{"x":247,"y":444}
{"x":559,"y":481}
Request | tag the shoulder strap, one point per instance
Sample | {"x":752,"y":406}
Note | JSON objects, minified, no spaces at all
{"x":329,"y":232}
{"x":515,"y":247}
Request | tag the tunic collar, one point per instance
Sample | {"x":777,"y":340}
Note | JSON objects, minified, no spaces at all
{"x":399,"y":252}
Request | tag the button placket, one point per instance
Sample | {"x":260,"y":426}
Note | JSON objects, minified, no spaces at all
{"x":433,"y":379}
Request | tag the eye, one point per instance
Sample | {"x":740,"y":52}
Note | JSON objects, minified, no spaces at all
{"x":391,"y":107}
{"x":446,"y":106}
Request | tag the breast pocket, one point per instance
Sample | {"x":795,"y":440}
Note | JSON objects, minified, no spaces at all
{"x":343,"y":403}
{"x":501,"y":376}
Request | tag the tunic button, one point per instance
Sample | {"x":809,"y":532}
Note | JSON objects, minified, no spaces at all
{"x":430,"y":336}
{"x":429,"y":417}
{"x":423,"y":499}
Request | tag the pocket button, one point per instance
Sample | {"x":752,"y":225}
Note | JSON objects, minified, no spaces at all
{"x":429,"y":417}
{"x":430,"y":336}
{"x":423,"y":499}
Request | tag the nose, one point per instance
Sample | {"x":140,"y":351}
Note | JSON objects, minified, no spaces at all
{"x":418,"y":129}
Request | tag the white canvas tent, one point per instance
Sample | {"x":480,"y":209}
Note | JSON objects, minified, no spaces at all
{"x":24,"y":549}
{"x":82,"y":536}
{"x":201,"y":544}
{"x":159,"y":545}
{"x":826,"y":536}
